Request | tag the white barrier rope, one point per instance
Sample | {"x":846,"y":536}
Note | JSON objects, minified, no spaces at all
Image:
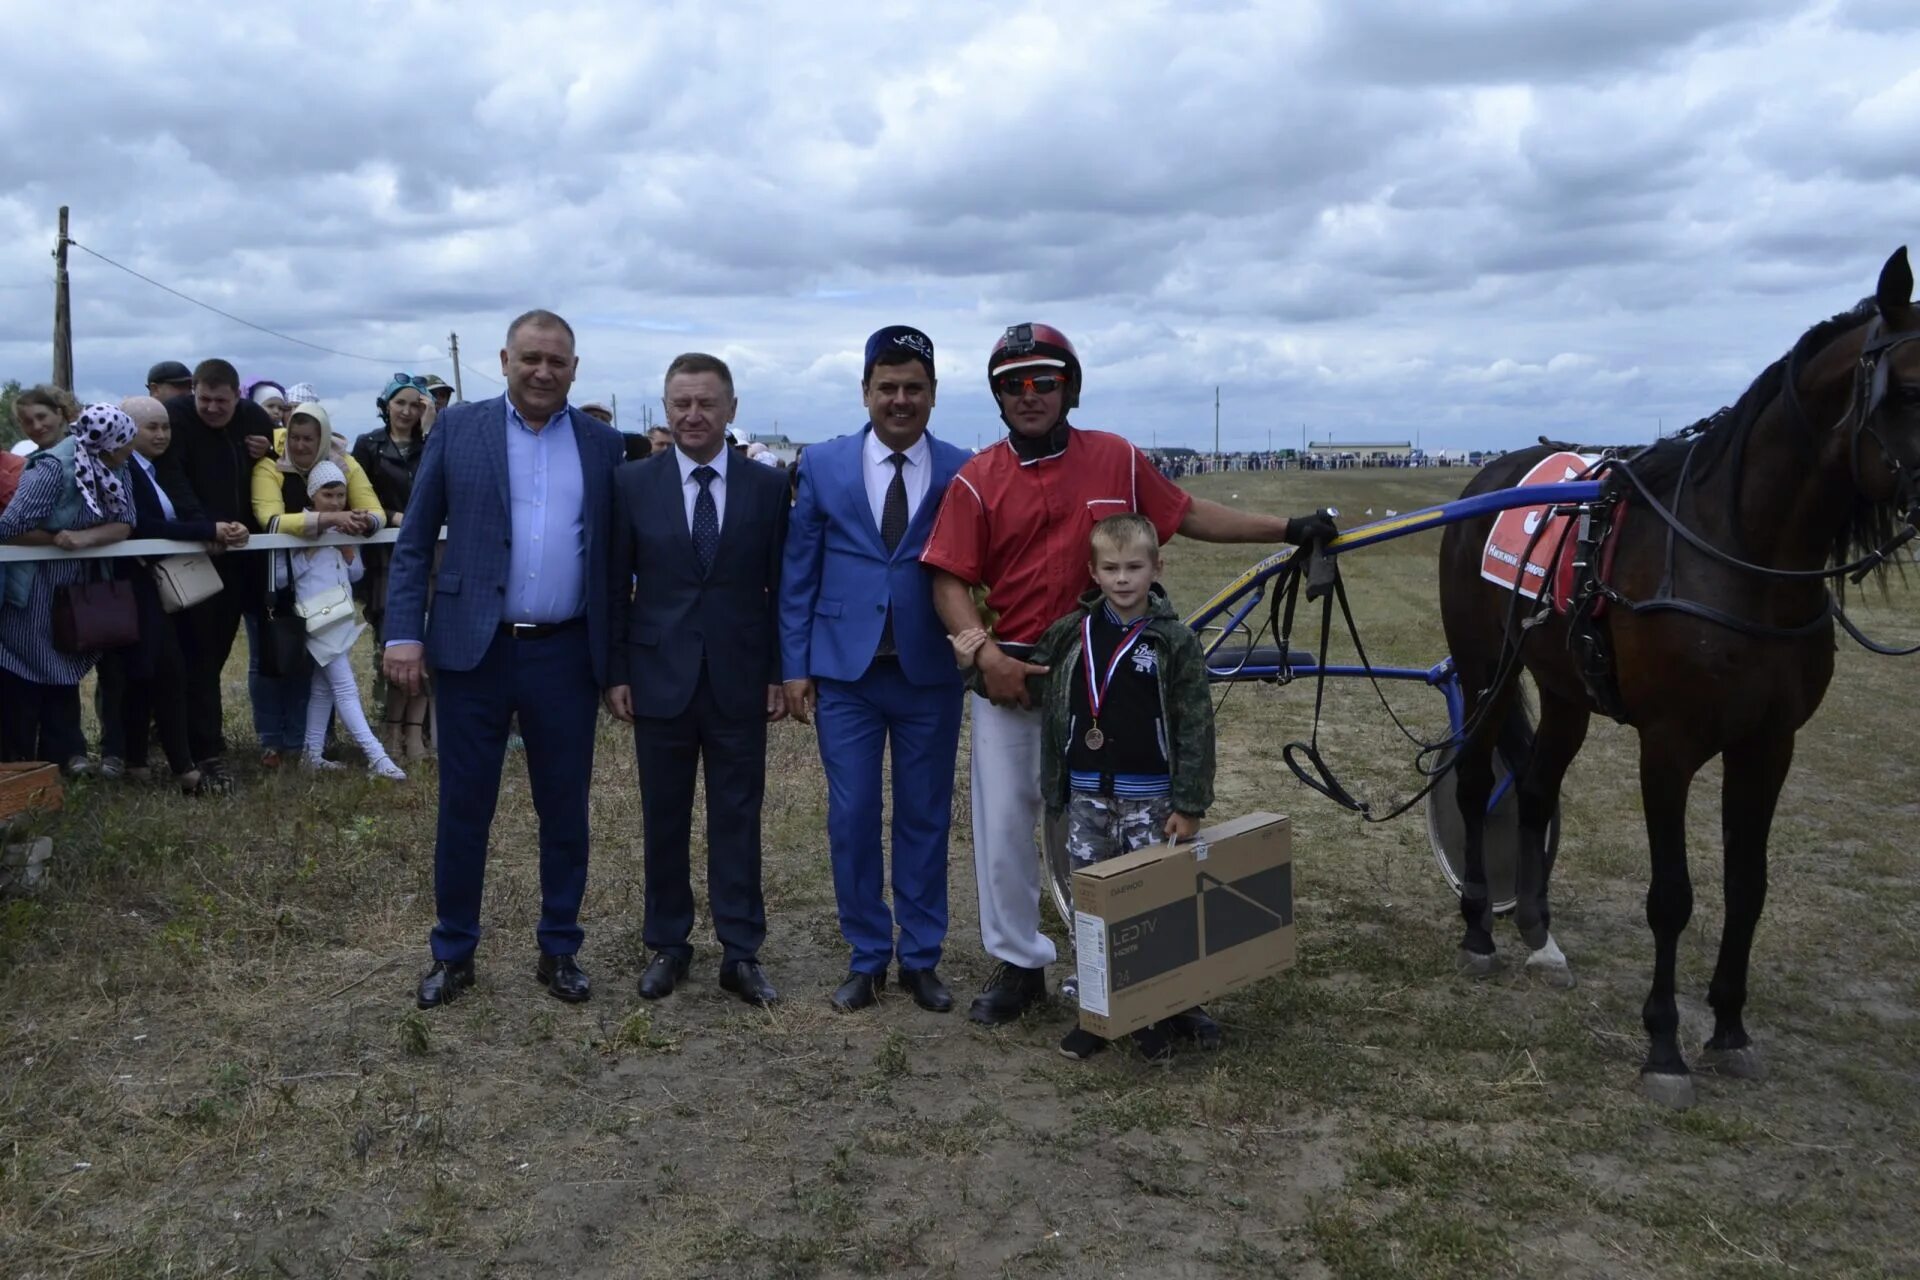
{"x":168,"y":547}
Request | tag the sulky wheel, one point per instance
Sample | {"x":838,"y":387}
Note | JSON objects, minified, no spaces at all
{"x":1448,"y":834}
{"x":1055,"y":868}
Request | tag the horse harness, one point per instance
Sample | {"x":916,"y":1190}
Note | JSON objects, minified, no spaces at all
{"x":1588,"y":635}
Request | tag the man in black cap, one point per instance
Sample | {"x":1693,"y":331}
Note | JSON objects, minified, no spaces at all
{"x":440,"y":390}
{"x":168,"y":379}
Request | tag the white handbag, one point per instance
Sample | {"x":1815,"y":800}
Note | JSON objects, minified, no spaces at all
{"x":326,"y":609}
{"x":185,"y":581}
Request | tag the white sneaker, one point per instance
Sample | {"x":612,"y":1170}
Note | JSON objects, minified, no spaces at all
{"x":384,"y":767}
{"x":314,"y":762}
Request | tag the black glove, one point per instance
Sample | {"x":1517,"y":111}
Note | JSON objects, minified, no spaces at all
{"x":1314,"y":527}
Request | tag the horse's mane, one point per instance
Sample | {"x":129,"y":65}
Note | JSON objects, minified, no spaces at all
{"x":1723,"y":435}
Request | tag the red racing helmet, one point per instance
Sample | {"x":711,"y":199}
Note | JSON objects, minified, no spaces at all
{"x":1037,"y":347}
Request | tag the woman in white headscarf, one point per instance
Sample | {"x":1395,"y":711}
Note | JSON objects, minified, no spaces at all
{"x":72,"y":495}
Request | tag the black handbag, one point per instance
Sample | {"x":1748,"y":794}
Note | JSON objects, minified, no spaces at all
{"x":283,"y":634}
{"x":92,"y":617}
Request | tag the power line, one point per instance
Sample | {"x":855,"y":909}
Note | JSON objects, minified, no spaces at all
{"x":273,"y":333}
{"x":481,"y":373}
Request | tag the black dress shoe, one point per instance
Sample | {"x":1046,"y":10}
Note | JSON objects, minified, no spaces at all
{"x":745,"y":979}
{"x":1195,"y":1025}
{"x":1008,"y":994}
{"x":443,"y":982}
{"x":1154,"y":1042}
{"x":563,"y":979}
{"x":927,"y":990}
{"x":663,"y":974}
{"x":859,"y":991}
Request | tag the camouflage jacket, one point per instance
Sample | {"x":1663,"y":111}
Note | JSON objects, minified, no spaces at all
{"x":1186,"y":703}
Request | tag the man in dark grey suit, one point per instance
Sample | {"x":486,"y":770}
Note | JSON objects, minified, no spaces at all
{"x":523,"y":484}
{"x":694,"y":665}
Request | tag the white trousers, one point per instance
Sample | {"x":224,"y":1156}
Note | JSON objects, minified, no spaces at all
{"x":334,"y":686}
{"x":1006,"y":821}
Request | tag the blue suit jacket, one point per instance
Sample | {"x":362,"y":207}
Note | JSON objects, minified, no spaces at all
{"x":669,"y":619}
{"x":462,"y":484}
{"x":839,"y":578}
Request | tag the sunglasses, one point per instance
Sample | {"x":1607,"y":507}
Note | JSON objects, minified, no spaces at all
{"x":1014,"y":384}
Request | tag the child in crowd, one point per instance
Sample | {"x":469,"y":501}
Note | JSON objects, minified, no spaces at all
{"x":1127,"y":729}
{"x":323,"y":579}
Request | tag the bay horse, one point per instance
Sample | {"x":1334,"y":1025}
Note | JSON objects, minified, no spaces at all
{"x":1813,"y":464}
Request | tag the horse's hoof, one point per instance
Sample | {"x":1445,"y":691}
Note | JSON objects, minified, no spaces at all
{"x":1672,"y":1091}
{"x":1735,"y":1064}
{"x":1558,"y":975}
{"x":1475,"y":965}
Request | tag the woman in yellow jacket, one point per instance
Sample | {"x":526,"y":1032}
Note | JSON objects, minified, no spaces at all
{"x":280,"y":504}
{"x":280,"y":501}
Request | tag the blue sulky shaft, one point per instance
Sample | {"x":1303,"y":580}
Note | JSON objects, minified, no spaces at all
{"x":1366,"y":535}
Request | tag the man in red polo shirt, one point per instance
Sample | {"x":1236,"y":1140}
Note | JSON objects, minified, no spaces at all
{"x":1017,"y":520}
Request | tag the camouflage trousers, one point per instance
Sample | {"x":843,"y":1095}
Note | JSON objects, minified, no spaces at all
{"x":1101,"y":827}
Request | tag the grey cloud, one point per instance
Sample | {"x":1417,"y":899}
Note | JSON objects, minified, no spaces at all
{"x":1348,"y":214}
{"x":1519,"y":41}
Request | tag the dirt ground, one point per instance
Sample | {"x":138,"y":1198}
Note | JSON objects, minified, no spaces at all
{"x":210,"y":1063}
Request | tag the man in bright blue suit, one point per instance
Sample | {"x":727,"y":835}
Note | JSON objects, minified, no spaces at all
{"x":519,"y":627}
{"x":864,"y":653}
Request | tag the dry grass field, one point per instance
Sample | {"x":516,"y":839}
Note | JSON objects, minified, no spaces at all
{"x":210,"y":1063}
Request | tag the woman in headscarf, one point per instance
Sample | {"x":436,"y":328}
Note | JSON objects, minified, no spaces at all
{"x":390,"y":454}
{"x":281,"y":505}
{"x":73,"y":495}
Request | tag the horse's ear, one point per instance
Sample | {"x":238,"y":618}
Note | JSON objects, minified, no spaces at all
{"x":1895,"y":291}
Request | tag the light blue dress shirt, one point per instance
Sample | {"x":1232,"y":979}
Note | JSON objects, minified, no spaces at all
{"x":547,"y":564}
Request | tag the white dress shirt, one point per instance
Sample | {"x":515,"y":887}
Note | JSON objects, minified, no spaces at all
{"x":690,"y":488}
{"x":878,"y":473}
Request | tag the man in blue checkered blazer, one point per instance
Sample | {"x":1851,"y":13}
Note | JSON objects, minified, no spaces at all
{"x":518,"y":627}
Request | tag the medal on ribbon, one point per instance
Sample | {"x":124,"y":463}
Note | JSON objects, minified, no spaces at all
{"x":1097,"y":685}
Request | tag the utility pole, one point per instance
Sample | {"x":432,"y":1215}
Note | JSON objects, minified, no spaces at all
{"x":1216,"y":427}
{"x":62,"y":312}
{"x":453,"y":343}
{"x":615,"y":404}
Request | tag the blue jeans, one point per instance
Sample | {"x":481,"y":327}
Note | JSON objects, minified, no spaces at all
{"x":279,"y":702}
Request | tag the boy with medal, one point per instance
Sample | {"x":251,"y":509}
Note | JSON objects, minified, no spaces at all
{"x":1127,"y":729}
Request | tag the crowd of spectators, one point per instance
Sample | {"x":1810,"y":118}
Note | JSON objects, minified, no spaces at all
{"x":202,"y":457}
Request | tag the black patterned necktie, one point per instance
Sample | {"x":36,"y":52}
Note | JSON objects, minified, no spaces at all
{"x":893,"y":512}
{"x":893,"y":527}
{"x":706,"y":519}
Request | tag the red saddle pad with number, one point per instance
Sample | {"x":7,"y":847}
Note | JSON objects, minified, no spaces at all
{"x":1514,"y":529}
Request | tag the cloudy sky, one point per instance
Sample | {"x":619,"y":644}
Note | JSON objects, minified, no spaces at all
{"x":1469,"y":222}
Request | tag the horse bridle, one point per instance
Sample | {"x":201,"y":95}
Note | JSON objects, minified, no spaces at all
{"x":1870,"y":381}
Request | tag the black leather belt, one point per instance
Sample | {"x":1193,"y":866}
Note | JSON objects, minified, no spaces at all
{"x":538,"y":630}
